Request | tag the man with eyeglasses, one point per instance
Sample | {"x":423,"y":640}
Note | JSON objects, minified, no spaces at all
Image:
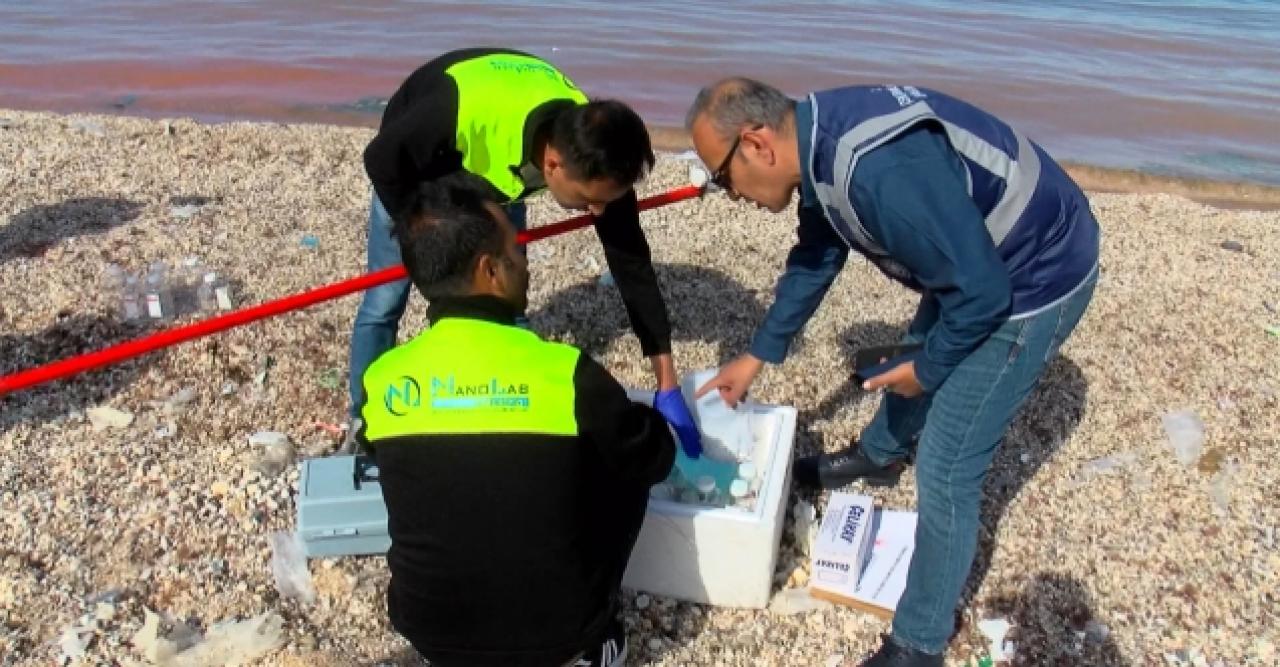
{"x":953,"y":203}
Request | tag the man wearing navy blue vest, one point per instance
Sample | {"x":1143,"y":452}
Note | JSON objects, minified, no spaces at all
{"x":953,"y":203}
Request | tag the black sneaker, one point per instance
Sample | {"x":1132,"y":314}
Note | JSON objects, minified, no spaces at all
{"x":892,"y":655}
{"x":832,"y":471}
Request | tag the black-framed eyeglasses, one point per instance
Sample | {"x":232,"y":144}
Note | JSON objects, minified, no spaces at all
{"x":720,"y":177}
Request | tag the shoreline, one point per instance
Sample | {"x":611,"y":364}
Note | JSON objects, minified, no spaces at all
{"x":1227,"y":194}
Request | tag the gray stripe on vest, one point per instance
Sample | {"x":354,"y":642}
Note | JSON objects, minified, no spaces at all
{"x":824,"y":192}
{"x":857,"y":142}
{"x":1021,"y":176}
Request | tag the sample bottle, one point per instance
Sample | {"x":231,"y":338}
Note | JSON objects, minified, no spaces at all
{"x":740,"y":492}
{"x":158,"y":292}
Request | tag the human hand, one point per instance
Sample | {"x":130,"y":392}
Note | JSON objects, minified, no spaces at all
{"x":670,"y":403}
{"x":900,"y":379}
{"x":733,"y":380}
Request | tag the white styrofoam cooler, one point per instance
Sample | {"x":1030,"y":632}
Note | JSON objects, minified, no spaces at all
{"x":720,"y":556}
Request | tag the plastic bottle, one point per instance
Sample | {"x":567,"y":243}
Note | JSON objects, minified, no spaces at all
{"x":214,"y":293}
{"x":707,"y":492}
{"x":747,"y":472}
{"x":206,"y":302}
{"x":740,"y":492}
{"x":122,"y":288}
{"x":131,"y":304}
{"x":159,"y":293}
{"x":187,"y":282}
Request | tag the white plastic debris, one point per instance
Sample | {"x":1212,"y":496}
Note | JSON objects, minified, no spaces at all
{"x":91,"y":127}
{"x":834,"y":660}
{"x":277,"y":451}
{"x":289,"y":566}
{"x":806,"y":525}
{"x":1186,"y":435}
{"x":183,"y":397}
{"x":1220,"y":487}
{"x":790,"y":601}
{"x":1106,"y":465}
{"x":5,"y":123}
{"x":228,"y":642}
{"x":106,"y":417}
{"x":590,"y":264}
{"x":75,"y":639}
{"x":269,"y":439}
{"x":185,"y":212}
{"x":995,"y":629}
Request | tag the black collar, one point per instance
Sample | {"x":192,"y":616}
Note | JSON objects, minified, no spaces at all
{"x":483,"y":307}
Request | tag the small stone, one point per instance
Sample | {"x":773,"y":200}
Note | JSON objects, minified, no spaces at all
{"x":5,"y":123}
{"x":1233,"y":246}
{"x":219,"y":488}
{"x":184,"y":212}
{"x":90,"y":127}
{"x":655,"y":644}
{"x":104,"y":612}
{"x":269,"y":439}
{"x":643,"y":601}
{"x":105,"y":417}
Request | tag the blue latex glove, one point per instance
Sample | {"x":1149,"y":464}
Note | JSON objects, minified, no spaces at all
{"x":673,"y":408}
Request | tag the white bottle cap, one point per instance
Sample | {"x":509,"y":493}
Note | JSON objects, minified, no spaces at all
{"x":739,"y":488}
{"x":747,"y":470}
{"x":697,"y":176}
{"x":706,"y":484}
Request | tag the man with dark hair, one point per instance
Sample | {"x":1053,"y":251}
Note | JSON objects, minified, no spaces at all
{"x":953,"y":203}
{"x":521,"y":125}
{"x":515,"y":471}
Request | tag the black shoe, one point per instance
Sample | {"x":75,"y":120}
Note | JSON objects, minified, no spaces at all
{"x":832,"y":471}
{"x":892,"y":655}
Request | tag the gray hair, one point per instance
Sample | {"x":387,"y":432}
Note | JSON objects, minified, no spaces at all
{"x":730,"y":104}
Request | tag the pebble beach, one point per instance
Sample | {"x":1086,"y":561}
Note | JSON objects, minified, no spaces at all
{"x":136,"y":517}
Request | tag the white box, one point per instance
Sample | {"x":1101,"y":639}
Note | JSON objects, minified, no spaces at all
{"x":884,"y":577}
{"x":720,"y":556}
{"x":844,"y":542}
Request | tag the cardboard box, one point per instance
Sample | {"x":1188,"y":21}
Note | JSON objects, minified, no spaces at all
{"x":883,"y":577}
{"x":844,"y":542}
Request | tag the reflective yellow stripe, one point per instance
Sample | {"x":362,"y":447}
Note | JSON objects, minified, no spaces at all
{"x":495,"y":94}
{"x":470,"y":376}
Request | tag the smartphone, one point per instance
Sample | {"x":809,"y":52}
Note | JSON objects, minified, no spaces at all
{"x":867,"y":362}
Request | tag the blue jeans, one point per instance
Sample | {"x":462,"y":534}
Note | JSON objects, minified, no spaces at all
{"x":378,"y":318}
{"x":959,"y":427}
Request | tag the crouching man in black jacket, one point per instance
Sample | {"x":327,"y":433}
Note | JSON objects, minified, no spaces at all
{"x":515,"y":471}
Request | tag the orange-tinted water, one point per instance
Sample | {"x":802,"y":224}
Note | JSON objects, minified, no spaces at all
{"x":1189,"y":88}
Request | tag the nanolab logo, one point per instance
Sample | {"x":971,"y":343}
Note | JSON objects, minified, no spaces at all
{"x":402,"y":396}
{"x":449,"y":394}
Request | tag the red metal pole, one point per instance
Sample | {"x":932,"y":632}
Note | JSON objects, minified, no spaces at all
{"x":137,"y":347}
